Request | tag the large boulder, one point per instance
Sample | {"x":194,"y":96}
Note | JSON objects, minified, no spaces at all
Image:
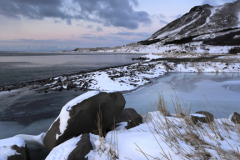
{"x":81,"y":115}
{"x":13,"y":149}
{"x":130,"y":116}
{"x":84,"y":146}
{"x":235,"y":118}
{"x":202,"y":116}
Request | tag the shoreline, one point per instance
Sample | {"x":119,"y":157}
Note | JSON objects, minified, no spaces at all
{"x":147,"y":64}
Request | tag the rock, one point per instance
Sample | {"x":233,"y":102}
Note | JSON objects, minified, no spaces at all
{"x":202,"y":116}
{"x":130,"y":116}
{"x":80,"y":116}
{"x":235,"y":118}
{"x":13,"y":149}
{"x":22,"y":153}
{"x":75,"y":148}
{"x":84,"y":146}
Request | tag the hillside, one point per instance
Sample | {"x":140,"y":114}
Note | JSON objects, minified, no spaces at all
{"x":204,"y":29}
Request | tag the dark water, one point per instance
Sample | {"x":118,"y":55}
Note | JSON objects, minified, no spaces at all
{"x":17,"y":67}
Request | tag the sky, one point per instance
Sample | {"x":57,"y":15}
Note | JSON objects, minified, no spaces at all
{"x":56,"y":25}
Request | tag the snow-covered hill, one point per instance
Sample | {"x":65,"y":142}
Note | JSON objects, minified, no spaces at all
{"x":204,"y":29}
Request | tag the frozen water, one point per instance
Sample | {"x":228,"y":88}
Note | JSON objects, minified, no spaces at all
{"x":193,"y":89}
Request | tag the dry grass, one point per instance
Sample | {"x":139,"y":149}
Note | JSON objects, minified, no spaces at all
{"x":201,"y":141}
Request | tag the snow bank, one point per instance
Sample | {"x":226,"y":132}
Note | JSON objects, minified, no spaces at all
{"x":6,"y":147}
{"x":37,"y":141}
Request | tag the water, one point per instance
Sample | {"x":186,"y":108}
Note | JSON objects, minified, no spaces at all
{"x":216,"y":93}
{"x":32,"y":113}
{"x":27,"y":112}
{"x":36,"y":66}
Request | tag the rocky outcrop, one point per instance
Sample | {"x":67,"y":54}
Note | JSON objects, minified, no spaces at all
{"x":84,"y":146}
{"x":202,"y":116}
{"x":130,"y":116}
{"x":217,"y":25}
{"x":84,"y":117}
{"x":235,"y":118}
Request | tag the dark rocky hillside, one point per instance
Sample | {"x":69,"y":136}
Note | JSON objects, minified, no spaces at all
{"x":211,"y":25}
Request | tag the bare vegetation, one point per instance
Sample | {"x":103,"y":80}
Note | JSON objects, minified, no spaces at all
{"x":219,"y":139}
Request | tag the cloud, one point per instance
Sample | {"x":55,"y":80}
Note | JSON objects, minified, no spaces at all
{"x":217,"y":2}
{"x":56,"y":21}
{"x":141,"y":34}
{"x":178,"y":16}
{"x":90,"y":26}
{"x":99,"y":29}
{"x":162,"y":21}
{"x":117,"y":13}
{"x":210,"y":2}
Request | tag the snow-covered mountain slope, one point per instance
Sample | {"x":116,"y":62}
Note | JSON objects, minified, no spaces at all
{"x":218,"y":25}
{"x":204,"y":29}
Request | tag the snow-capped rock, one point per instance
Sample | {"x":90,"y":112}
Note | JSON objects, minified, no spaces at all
{"x":81,"y":115}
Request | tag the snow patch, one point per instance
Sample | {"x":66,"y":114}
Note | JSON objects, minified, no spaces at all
{"x":63,"y":150}
{"x":33,"y":140}
{"x":198,"y":115}
{"x":6,"y":147}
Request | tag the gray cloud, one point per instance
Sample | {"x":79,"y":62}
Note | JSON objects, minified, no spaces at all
{"x":90,"y":26}
{"x":56,"y":21}
{"x":117,"y":13}
{"x":162,"y":21}
{"x":141,"y":34}
{"x":99,"y":29}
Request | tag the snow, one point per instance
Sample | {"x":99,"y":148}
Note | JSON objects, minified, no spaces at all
{"x":6,"y":147}
{"x":155,"y":142}
{"x":239,"y":19}
{"x":64,"y":114}
{"x":197,"y":115}
{"x":175,"y":31}
{"x":213,"y":11}
{"x":63,"y":150}
{"x":37,"y":141}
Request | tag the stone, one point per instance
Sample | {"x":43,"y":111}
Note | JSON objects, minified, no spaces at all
{"x":130,"y":116}
{"x":83,"y":117}
{"x":206,"y":118}
{"x":22,"y":153}
{"x":235,"y":118}
{"x":84,"y":146}
{"x":13,"y":148}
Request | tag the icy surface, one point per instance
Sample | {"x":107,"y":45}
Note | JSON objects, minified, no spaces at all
{"x":6,"y":147}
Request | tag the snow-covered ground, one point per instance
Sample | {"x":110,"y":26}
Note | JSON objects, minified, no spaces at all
{"x":126,"y":78}
{"x":164,"y":138}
